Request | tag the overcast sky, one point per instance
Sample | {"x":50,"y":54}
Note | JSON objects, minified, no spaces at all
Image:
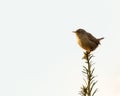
{"x":38,"y":52}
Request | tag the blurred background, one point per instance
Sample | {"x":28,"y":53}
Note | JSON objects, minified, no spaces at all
{"x":39,"y":55}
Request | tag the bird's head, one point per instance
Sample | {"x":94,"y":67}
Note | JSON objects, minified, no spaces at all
{"x":79,"y":31}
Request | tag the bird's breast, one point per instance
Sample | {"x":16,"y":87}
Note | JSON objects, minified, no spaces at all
{"x":78,"y":40}
{"x":83,"y":42}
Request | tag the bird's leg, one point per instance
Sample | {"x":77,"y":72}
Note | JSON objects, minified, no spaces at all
{"x":86,"y":54}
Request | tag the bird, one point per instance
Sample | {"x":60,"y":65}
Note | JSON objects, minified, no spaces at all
{"x":86,"y":40}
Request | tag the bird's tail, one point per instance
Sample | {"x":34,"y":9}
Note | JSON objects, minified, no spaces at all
{"x":101,"y":38}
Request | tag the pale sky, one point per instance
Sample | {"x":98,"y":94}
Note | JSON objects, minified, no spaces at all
{"x":38,"y":52}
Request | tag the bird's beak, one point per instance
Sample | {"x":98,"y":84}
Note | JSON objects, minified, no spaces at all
{"x":74,"y":31}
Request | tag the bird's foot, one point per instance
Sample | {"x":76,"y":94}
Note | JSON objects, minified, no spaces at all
{"x":86,"y":54}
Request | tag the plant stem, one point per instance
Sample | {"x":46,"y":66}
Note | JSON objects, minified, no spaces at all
{"x":88,"y":74}
{"x":88,"y":88}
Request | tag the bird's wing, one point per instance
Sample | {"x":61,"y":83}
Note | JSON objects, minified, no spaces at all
{"x":92,"y":38}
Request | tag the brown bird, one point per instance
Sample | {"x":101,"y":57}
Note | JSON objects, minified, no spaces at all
{"x":86,"y":40}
